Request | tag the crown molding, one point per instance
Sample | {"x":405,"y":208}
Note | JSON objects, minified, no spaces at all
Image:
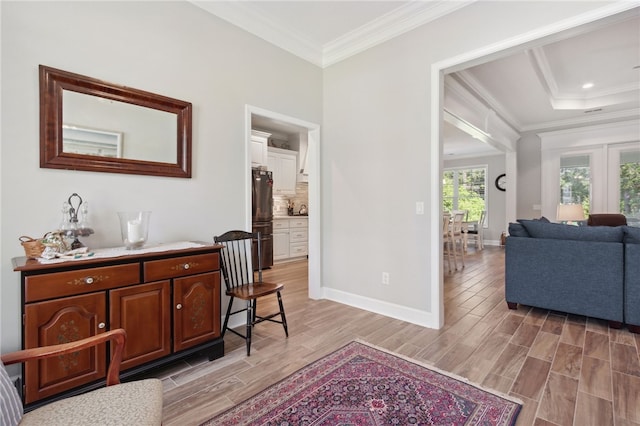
{"x":397,"y":22}
{"x":240,"y":14}
{"x":386,"y":27}
{"x":577,"y":100}
{"x":503,"y":112}
{"x":616,"y":116}
{"x":479,"y":91}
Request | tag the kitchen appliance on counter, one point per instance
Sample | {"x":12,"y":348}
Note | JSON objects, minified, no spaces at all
{"x":262,"y":214}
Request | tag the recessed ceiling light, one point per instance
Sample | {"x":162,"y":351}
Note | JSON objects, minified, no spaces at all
{"x":587,"y":85}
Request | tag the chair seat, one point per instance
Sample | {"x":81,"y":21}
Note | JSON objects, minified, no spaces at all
{"x":251,"y":291}
{"x":132,"y":403}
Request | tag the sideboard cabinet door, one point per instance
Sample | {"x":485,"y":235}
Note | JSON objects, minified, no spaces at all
{"x":60,"y":321}
{"x":143,"y":311}
{"x":196,"y":301}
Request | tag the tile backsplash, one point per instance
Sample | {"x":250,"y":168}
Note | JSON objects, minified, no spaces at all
{"x":281,"y":202}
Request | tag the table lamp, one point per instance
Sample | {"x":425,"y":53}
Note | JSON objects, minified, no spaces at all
{"x":568,"y":213}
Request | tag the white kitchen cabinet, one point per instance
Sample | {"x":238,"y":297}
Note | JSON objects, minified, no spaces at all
{"x":290,"y":238}
{"x":298,"y":237}
{"x":281,"y":241}
{"x":259,"y":143}
{"x":284,"y":164}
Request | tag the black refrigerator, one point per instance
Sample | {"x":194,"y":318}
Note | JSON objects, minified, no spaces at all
{"x":262,"y":214}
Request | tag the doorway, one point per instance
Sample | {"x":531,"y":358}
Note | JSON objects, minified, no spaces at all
{"x":286,"y":123}
{"x":465,"y":60}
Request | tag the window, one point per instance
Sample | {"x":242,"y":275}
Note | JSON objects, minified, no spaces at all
{"x":604,"y":178}
{"x":465,"y":189}
{"x":629,"y":182}
{"x":575,"y":180}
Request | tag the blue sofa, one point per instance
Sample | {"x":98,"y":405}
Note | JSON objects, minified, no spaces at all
{"x":632,"y":278}
{"x":591,"y":271}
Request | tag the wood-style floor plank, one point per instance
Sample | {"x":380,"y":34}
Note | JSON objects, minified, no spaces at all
{"x":567,"y":369}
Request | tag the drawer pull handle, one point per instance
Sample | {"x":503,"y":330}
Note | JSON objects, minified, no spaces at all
{"x":179,"y":306}
{"x":88,"y":280}
{"x":186,"y":266}
{"x":101,"y":325}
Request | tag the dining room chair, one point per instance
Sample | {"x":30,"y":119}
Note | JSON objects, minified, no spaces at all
{"x":446,"y":239}
{"x":137,"y":402}
{"x":244,"y":283}
{"x":477,"y":233}
{"x":457,"y":237}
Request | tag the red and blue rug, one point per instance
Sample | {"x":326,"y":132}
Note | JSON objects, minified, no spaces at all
{"x":362,"y":385}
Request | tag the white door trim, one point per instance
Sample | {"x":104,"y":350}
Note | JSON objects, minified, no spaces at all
{"x":457,"y":63}
{"x":313,"y":163}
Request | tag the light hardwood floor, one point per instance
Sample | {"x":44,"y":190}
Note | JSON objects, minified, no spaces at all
{"x":568,"y":370}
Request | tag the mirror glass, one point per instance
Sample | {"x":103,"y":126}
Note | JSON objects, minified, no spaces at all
{"x":97,"y":126}
{"x":89,"y":124}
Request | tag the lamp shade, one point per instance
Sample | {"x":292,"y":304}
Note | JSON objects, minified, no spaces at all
{"x":570,"y":212}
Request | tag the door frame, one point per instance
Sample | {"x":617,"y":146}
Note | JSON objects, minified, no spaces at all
{"x":313,"y":164}
{"x":457,"y":63}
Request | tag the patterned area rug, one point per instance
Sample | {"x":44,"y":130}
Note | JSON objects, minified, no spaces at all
{"x":362,"y":385}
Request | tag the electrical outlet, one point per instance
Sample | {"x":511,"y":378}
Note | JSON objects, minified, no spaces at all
{"x":385,"y":278}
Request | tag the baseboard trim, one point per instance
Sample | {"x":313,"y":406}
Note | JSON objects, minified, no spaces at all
{"x":414,"y":316}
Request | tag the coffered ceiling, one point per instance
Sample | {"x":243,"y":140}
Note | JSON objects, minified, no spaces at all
{"x":538,"y":87}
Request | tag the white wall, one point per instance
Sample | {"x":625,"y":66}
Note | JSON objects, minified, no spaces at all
{"x":374,"y":108}
{"x":496,"y":199}
{"x":170,"y":48}
{"x":375,"y":151}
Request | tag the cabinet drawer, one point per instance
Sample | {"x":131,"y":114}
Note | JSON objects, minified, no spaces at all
{"x":299,"y":223}
{"x":298,"y":249}
{"x":180,"y":266}
{"x":68,"y":283}
{"x":281,"y":224}
{"x":297,"y":236}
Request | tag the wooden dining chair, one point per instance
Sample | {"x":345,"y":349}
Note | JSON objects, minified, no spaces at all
{"x":457,"y":237}
{"x":244,"y":282}
{"x":477,"y":234}
{"x":446,"y":239}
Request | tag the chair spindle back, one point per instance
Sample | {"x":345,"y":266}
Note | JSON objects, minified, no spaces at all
{"x":237,"y":257}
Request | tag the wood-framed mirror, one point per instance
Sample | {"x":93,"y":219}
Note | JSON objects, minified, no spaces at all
{"x":92,"y":125}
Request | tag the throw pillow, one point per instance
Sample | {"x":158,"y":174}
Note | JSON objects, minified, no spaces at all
{"x":558,"y":231}
{"x":517,"y":230}
{"x":10,"y":404}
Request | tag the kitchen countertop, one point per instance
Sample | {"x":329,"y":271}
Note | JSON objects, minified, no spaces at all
{"x":297,"y":216}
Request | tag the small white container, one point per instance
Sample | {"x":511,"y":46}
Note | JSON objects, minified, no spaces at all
{"x":134,"y":227}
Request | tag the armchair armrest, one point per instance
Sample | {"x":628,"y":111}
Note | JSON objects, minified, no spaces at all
{"x":119,"y":336}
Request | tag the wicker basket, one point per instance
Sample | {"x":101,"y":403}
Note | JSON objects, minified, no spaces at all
{"x":32,"y":248}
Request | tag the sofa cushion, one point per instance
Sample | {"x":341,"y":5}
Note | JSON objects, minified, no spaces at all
{"x":517,"y":230}
{"x":631,"y":235}
{"x":138,"y":403}
{"x":558,"y":231}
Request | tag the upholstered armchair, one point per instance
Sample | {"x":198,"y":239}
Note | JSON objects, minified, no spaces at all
{"x":606,"y":219}
{"x":133,"y":403}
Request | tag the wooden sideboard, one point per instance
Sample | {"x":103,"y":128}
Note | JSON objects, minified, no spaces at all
{"x":168,"y":302}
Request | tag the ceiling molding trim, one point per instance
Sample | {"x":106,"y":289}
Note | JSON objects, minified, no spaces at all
{"x":541,"y":66}
{"x":399,"y":21}
{"x":474,"y":85}
{"x":627,"y":131}
{"x":577,"y":100}
{"x":242,"y":15}
{"x":463,"y":104}
{"x":587,"y":119}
